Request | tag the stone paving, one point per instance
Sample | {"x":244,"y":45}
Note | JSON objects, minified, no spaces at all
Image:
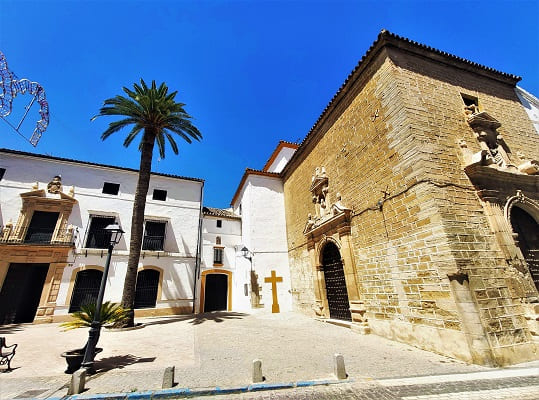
{"x":217,"y":349}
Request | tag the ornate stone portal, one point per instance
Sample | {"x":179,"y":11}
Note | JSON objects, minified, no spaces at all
{"x":15,"y":248}
{"x":331,"y":224}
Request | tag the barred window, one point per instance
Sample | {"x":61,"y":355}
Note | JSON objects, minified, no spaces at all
{"x":218,"y":255}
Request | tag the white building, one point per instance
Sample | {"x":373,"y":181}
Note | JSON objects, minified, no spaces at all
{"x":224,"y":274}
{"x":53,"y":249}
{"x":530,"y":104}
{"x":259,"y":199}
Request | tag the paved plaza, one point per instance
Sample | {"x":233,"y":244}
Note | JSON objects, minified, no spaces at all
{"x":217,"y":350}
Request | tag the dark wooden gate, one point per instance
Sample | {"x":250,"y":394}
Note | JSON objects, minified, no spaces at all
{"x":21,"y":291}
{"x":216,"y":292}
{"x":337,"y":295}
{"x":528,"y":240}
{"x":146,"y":291}
{"x":86,"y":288}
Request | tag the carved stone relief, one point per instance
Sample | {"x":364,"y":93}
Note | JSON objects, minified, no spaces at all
{"x":325,"y":209}
{"x":494,"y":152}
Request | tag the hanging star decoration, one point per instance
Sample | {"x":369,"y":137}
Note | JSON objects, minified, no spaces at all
{"x":10,"y":87}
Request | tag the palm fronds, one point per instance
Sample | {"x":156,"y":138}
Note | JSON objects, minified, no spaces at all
{"x":110,"y":314}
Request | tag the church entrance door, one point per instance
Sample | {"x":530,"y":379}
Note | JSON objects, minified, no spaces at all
{"x":216,"y":292}
{"x":21,"y":291}
{"x":337,"y":295}
{"x":528,"y":240}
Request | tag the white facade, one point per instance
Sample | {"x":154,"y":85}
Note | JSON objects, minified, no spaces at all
{"x":221,"y":233}
{"x":531,"y":105}
{"x":197,"y":247}
{"x":282,"y":158}
{"x":260,"y":202}
{"x":180,"y":213}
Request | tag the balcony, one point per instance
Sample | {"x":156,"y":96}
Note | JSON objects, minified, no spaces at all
{"x":97,"y":238}
{"x":153,"y":243}
{"x":31,"y":235}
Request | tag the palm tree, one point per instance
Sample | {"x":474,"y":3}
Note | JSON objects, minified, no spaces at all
{"x":154,"y":112}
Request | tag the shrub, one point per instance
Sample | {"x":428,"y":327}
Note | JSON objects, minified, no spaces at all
{"x":111,"y":313}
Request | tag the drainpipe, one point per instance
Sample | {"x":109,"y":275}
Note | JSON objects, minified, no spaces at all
{"x":199,"y":248}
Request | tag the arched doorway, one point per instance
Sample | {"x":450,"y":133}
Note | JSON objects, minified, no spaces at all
{"x":86,"y":288}
{"x":216,"y":292}
{"x":147,"y":287}
{"x":337,"y":295}
{"x":527,"y":229}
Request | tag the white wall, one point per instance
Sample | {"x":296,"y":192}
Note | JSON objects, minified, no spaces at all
{"x":264,"y":234}
{"x":281,"y":160}
{"x":181,"y":211}
{"x":230,"y":233}
{"x":531,"y":105}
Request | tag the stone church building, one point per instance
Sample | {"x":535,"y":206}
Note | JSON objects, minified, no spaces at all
{"x":412,"y":206}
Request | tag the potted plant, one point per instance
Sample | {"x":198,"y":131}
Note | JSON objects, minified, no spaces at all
{"x":111,"y":313}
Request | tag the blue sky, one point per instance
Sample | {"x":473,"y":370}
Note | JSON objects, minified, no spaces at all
{"x":250,"y":72}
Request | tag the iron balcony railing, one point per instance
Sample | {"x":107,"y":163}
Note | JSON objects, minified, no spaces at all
{"x":38,"y":235}
{"x":97,"y":239}
{"x":153,"y":243}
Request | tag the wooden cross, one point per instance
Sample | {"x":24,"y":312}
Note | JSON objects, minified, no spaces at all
{"x":273,"y":279}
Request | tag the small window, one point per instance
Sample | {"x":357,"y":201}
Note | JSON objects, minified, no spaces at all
{"x":159,"y":195}
{"x":111,"y":188}
{"x":2,"y":172}
{"x":218,"y":240}
{"x":97,"y":237}
{"x":219,"y":223}
{"x":471,"y":103}
{"x":154,"y":236}
{"x":217,"y":256}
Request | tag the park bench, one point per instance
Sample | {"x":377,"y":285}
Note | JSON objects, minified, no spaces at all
{"x":6,"y":353}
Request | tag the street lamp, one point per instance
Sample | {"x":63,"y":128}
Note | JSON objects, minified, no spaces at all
{"x":255,"y":299}
{"x":116,"y":233}
{"x":245,"y":251}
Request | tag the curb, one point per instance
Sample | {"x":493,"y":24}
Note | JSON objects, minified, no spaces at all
{"x":186,"y":392}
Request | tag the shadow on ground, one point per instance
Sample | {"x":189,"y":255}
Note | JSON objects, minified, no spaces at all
{"x":11,"y":328}
{"x":215,"y":316}
{"x":119,"y":362}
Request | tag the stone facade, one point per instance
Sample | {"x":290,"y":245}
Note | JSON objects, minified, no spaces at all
{"x":428,"y":255}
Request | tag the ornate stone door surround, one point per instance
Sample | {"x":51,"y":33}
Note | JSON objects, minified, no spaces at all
{"x":331,"y":223}
{"x":14,"y":250}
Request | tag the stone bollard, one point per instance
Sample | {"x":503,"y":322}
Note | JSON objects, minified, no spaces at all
{"x":257,"y":371}
{"x":340,"y":371}
{"x":78,"y":379}
{"x":168,"y":378}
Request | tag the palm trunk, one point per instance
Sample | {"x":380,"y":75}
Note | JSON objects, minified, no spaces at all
{"x":137,"y":226}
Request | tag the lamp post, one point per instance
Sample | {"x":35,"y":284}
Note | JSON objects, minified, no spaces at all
{"x":254,"y":295}
{"x":115,"y":232}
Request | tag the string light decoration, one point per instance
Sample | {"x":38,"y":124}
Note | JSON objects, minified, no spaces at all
{"x":10,"y":87}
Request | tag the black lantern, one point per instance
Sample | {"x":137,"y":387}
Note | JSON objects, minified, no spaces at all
{"x":246,"y":253}
{"x":116,"y":233}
